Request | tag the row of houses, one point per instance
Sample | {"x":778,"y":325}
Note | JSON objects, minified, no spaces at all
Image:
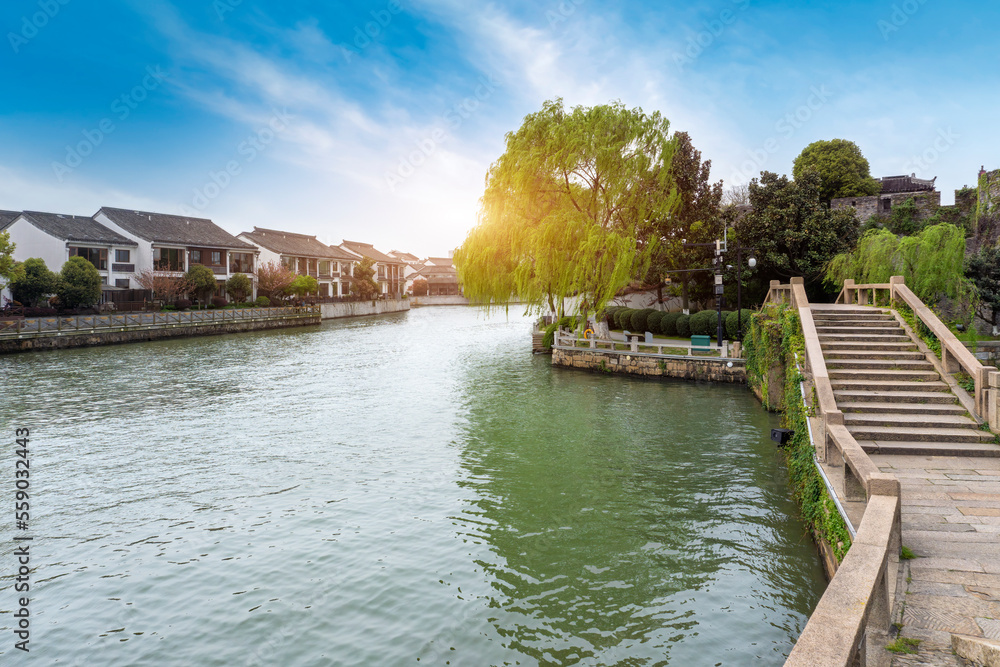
{"x":123,"y":243}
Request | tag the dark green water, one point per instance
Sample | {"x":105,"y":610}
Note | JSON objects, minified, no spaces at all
{"x":404,"y":490}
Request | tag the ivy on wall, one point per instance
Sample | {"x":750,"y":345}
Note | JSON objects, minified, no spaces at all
{"x":775,"y":340}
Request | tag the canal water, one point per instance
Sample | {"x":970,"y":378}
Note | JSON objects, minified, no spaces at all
{"x":412,"y":489}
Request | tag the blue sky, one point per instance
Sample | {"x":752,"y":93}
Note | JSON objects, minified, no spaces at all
{"x":376,"y":121}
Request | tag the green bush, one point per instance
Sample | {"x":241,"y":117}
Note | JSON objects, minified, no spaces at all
{"x":668,"y":324}
{"x":609,"y":315}
{"x":683,"y":325}
{"x":79,"y":283}
{"x":732,"y":322}
{"x":704,"y":323}
{"x":550,"y":335}
{"x":622,"y":318}
{"x":262,"y":302}
{"x":638,"y":319}
{"x":653,"y":321}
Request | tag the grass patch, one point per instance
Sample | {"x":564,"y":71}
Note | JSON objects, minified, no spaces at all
{"x":906,"y":553}
{"x":675,"y":350}
{"x":965,"y":381}
{"x":904,"y":645}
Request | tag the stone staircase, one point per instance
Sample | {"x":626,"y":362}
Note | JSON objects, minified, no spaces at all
{"x":893,"y":398}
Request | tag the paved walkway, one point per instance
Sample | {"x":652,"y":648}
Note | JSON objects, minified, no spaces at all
{"x":951,"y":521}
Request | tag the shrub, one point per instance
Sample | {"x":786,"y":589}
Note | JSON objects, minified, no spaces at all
{"x":219,"y":302}
{"x":79,"y":283}
{"x":239,"y":286}
{"x":609,"y":315}
{"x":705,"y":323}
{"x":622,"y":318}
{"x":262,"y":302}
{"x":668,"y":324}
{"x":684,"y":326}
{"x":182,"y":304}
{"x":39,"y":312}
{"x":653,"y":321}
{"x":639,"y":319}
{"x":732,"y":321}
{"x":34,"y":282}
{"x":202,"y":280}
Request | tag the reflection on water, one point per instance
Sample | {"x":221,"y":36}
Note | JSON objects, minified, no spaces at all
{"x":378,"y":491}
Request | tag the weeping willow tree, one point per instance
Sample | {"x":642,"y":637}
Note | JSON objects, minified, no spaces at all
{"x":568,"y":208}
{"x":932,"y":262}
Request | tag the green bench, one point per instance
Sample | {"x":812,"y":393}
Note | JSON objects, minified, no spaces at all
{"x":701,"y":343}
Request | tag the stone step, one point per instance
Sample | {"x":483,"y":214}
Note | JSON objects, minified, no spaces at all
{"x":876,"y":323}
{"x":849,"y":346}
{"x":920,"y":364}
{"x":845,"y":308}
{"x":893,"y":394}
{"x":918,"y":448}
{"x":866,"y":331}
{"x":881,"y":407}
{"x":909,"y":421}
{"x":914,"y":355}
{"x":881,"y":374}
{"x":918,"y":434}
{"x":862,"y":338}
{"x":888,"y":386}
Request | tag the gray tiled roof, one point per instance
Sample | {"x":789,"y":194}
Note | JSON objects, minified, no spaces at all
{"x":76,"y":228}
{"x":175,"y":229}
{"x":891,"y":184}
{"x":299,"y":245}
{"x":439,"y":272}
{"x":368,"y":250}
{"x":7,"y":217}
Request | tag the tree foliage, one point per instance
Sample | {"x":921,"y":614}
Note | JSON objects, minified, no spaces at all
{"x":79,"y":284}
{"x":304,"y":285}
{"x":931,"y":262}
{"x":420,"y":287}
{"x":164,"y":285}
{"x":842,"y":168}
{"x":202,"y":281}
{"x":33,"y":281}
{"x":238,"y":286}
{"x":273,"y":280}
{"x":568,"y":207}
{"x":983,"y":269}
{"x":8,"y":267}
{"x":363,"y":279}
{"x":791,"y":231}
{"x":697,"y":219}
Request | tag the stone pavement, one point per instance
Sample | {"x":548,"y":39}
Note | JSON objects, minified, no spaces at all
{"x":951,"y":521}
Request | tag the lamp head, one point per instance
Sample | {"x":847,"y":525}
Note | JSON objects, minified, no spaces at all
{"x":752,"y":262}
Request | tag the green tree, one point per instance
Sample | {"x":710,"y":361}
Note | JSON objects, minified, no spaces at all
{"x":202,"y":281}
{"x":931,"y":262}
{"x":8,"y":267}
{"x":697,"y":219}
{"x":983,"y":269}
{"x":303,"y":285}
{"x":842,"y":168}
{"x":239,"y":286}
{"x":363,"y":279}
{"x":33,"y":282}
{"x":79,"y":284}
{"x":792,"y":232}
{"x":568,"y":208}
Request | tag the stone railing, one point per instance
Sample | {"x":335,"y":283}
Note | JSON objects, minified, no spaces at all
{"x":36,"y":326}
{"x":571,"y":339}
{"x":858,"y":601}
{"x":955,"y":356}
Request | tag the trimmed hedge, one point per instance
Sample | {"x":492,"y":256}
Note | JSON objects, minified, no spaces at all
{"x":732,"y":323}
{"x":653,"y":321}
{"x":639,"y":319}
{"x":703,"y":323}
{"x":668,"y":324}
{"x":262,"y":302}
{"x":622,"y":318}
{"x":684,"y":326}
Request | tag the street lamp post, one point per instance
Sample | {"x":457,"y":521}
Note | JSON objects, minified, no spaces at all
{"x":751,"y":262}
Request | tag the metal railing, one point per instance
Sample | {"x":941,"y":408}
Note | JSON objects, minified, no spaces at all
{"x":859,"y":598}
{"x":34,"y":326}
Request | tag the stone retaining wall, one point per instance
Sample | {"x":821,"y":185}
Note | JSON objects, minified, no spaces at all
{"x":358,"y":308}
{"x":68,"y":339}
{"x":713,"y":369}
{"x":440,"y":300}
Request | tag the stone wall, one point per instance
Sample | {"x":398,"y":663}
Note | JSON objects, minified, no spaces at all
{"x":440,"y":300}
{"x":712,"y":369}
{"x":68,"y":339}
{"x":927,"y":203}
{"x":358,"y":308}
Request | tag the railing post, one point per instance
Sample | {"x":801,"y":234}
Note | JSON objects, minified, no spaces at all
{"x":993,"y":401}
{"x":893,"y":282}
{"x":848,"y":294}
{"x":982,"y":390}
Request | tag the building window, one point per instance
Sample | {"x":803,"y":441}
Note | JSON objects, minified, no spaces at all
{"x":886,"y":204}
{"x":324,"y":289}
{"x":324,"y":268}
{"x":240,"y":262}
{"x":216,"y":258}
{"x":345,"y":289}
{"x":123,"y":256}
{"x":303,"y":266}
{"x":196,"y":256}
{"x":96,"y":256}
{"x":122,"y":282}
{"x":168,"y":259}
